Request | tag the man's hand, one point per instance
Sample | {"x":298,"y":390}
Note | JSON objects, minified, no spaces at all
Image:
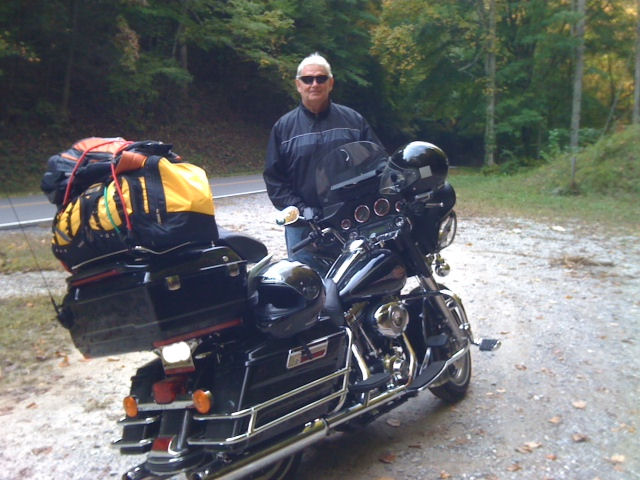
{"x":309,"y":213}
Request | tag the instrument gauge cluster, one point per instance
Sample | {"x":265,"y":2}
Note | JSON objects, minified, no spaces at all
{"x":372,"y":217}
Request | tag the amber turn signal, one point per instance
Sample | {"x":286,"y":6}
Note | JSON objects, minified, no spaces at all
{"x":130,"y":406}
{"x":202,"y":401}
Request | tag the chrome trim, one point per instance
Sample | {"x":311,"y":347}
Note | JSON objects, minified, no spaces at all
{"x":253,"y":412}
{"x":138,"y":421}
{"x":177,"y":405}
{"x":140,"y":443}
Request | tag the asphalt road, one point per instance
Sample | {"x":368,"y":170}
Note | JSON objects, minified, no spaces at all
{"x":34,"y":209}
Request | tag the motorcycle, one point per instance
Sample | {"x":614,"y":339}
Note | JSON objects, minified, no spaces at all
{"x":254,"y":365}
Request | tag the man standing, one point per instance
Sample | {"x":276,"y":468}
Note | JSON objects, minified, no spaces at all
{"x":299,"y":139}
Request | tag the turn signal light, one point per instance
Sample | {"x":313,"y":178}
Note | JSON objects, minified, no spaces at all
{"x":130,"y":406}
{"x":202,"y":401}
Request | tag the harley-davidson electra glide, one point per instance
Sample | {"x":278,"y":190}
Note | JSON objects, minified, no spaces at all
{"x":255,"y":365}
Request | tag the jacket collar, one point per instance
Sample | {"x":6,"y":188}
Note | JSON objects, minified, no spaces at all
{"x":316,"y":116}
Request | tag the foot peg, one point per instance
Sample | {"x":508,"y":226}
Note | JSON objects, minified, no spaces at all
{"x":377,"y":380}
{"x":488,"y":344}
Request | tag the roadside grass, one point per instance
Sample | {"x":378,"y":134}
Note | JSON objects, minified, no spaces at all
{"x":519,"y":196}
{"x":30,"y":338}
{"x":26,"y":251}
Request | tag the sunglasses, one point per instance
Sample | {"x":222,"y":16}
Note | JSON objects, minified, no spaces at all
{"x":308,"y":79}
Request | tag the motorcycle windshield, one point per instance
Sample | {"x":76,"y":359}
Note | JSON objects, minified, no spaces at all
{"x":349,"y":169}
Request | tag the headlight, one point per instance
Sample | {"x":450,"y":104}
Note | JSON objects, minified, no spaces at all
{"x":447,"y":231}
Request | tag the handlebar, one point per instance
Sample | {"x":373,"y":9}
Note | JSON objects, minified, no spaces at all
{"x":304,"y":243}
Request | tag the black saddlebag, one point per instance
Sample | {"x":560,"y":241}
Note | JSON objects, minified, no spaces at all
{"x":265,"y":390}
{"x":133,"y":303}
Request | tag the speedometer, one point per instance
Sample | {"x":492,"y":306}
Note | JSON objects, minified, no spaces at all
{"x":361,"y":213}
{"x":381,"y":207}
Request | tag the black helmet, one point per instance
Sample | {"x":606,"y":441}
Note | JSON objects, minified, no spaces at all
{"x":418,"y":167}
{"x":290,"y":296}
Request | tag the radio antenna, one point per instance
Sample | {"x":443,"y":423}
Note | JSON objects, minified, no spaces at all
{"x":33,"y":254}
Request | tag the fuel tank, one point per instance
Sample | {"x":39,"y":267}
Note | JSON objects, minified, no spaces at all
{"x":362,"y":274}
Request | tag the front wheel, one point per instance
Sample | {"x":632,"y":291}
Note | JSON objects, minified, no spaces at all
{"x":458,"y":375}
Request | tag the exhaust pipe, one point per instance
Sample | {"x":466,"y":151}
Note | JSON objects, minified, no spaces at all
{"x":290,"y":446}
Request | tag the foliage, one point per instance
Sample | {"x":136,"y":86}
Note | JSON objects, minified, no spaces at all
{"x":608,"y":168}
{"x":415,"y":69}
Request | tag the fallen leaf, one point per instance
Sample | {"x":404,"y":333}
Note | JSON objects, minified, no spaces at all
{"x":65,"y":362}
{"x":579,"y":404}
{"x":388,"y":458}
{"x":556,"y":420}
{"x":41,"y":450}
{"x":579,"y":437}
{"x":514,"y":468}
{"x":32,"y":405}
{"x":617,"y":458}
{"x":520,"y":366}
{"x":444,"y":475}
{"x":528,"y":447}
{"x":552,"y":457}
{"x":392,"y":422}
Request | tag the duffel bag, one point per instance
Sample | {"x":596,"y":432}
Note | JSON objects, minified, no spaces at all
{"x":155,"y":203}
{"x":71,"y":172}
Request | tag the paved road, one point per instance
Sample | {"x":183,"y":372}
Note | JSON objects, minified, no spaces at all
{"x":35,"y":209}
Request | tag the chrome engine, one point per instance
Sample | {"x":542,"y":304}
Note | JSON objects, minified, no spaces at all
{"x":391,"y":319}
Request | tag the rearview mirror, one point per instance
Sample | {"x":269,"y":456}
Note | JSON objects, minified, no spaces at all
{"x":288,"y":216}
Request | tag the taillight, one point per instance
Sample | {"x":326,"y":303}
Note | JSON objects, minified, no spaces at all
{"x":166,"y":391}
{"x":130,"y":405}
{"x":202,"y":401}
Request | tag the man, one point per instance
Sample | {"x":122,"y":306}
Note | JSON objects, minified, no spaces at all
{"x":299,"y":139}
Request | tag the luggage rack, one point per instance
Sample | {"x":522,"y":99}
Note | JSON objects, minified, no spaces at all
{"x":252,"y":414}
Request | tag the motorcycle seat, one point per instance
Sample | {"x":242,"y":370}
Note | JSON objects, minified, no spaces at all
{"x":249,"y":248}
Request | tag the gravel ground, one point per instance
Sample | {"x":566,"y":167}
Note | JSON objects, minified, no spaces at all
{"x":559,"y":400}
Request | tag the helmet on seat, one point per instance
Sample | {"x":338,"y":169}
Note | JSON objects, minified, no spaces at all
{"x":290,"y":296}
{"x":416,"y":168}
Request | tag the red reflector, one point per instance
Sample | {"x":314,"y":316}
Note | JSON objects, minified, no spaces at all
{"x":236,"y":322}
{"x":165,"y":391}
{"x":161,"y":444}
{"x":95,"y":278}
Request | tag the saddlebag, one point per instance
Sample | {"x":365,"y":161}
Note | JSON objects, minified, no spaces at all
{"x":136,"y":303}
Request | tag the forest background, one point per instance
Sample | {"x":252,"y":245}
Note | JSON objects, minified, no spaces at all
{"x":493,"y":82}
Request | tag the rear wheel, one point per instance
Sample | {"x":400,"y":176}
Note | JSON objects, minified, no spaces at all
{"x":284,"y":469}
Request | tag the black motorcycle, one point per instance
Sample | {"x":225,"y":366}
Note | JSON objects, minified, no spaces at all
{"x":255,"y":365}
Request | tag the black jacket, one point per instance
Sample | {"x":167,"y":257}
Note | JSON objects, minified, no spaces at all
{"x":298,"y":140}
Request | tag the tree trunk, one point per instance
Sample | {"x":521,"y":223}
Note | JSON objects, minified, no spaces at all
{"x":577,"y":87}
{"x":490,"y":71}
{"x":636,"y":91}
{"x":68,"y":73}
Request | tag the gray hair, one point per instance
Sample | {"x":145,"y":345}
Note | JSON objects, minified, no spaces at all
{"x":314,"y":59}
